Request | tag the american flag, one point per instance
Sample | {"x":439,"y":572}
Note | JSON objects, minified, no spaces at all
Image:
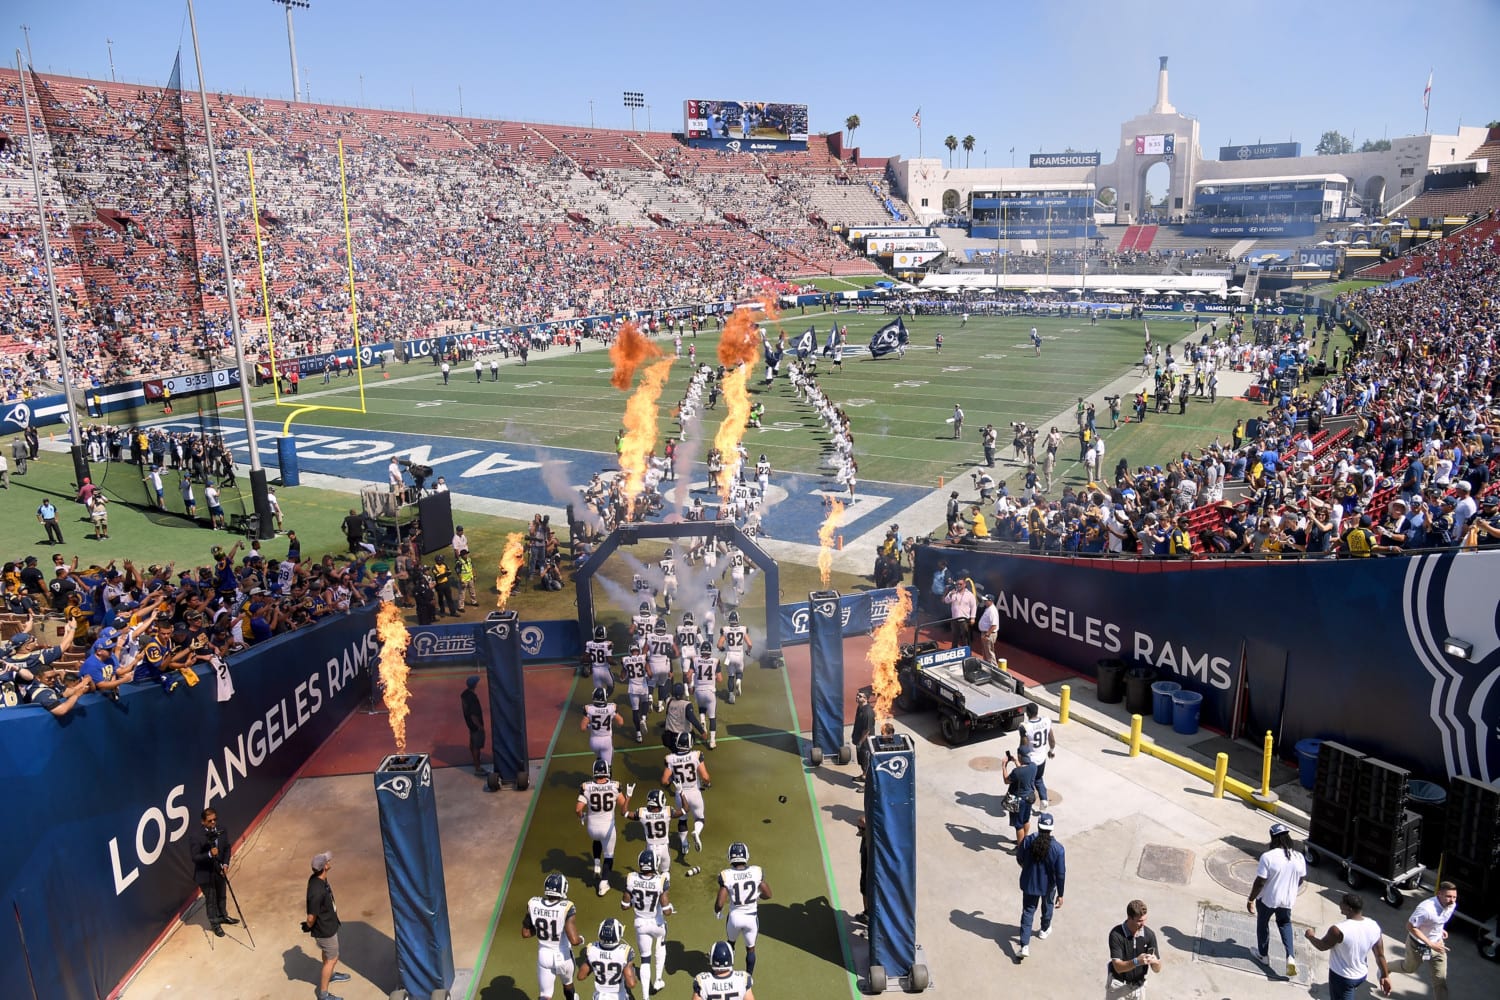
{"x":1426,"y":92}
{"x":916,"y":119}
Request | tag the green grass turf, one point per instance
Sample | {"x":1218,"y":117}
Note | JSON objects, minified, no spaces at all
{"x":846,"y":284}
{"x":898,"y":407}
{"x":1337,"y":288}
{"x":759,"y":795}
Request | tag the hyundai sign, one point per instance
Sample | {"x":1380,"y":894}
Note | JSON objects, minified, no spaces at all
{"x":1261,"y":151}
{"x":1064,"y":159}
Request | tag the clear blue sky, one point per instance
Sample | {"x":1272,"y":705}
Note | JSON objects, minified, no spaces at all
{"x":1029,"y":74}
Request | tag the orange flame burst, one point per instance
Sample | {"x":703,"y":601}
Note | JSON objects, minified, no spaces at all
{"x":640,"y":427}
{"x":740,"y":342}
{"x":394,"y":638}
{"x":885,"y":651}
{"x":727,"y":438}
{"x":630,"y":348}
{"x":825,"y":541}
{"x":510,"y":567}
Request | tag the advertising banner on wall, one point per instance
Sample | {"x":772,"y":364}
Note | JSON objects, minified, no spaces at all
{"x":858,"y":613}
{"x":117,"y":791}
{"x":454,"y":645}
{"x":1064,"y":159}
{"x":1351,"y":650}
{"x":1248,"y":228}
{"x":1261,"y":151}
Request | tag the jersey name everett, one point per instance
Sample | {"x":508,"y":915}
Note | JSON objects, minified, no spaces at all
{"x":599,"y":798}
{"x":601,"y":718}
{"x":645,"y":892}
{"x":549,"y":921}
{"x":734,"y":985}
{"x":608,"y":967}
{"x":684,"y":768}
{"x":743,"y":885}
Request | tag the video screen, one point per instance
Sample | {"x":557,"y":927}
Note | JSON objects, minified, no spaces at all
{"x":745,"y":120}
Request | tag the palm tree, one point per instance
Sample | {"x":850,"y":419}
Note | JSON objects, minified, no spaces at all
{"x":850,"y":124}
{"x":952,"y":143}
{"x":968,"y":148}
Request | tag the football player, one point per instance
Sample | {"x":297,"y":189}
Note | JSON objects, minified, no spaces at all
{"x":599,"y":720}
{"x":551,"y":919}
{"x":655,"y":818}
{"x":660,"y":652}
{"x":644,"y":619}
{"x":688,"y":776}
{"x":742,"y":886}
{"x":721,"y":979}
{"x":610,"y":962}
{"x":734,"y":640}
{"x":599,"y":653}
{"x":706,"y":675}
{"x":646,"y":892}
{"x":688,"y":637}
{"x":633,"y":665}
{"x":668,"y":567}
{"x":599,"y":801}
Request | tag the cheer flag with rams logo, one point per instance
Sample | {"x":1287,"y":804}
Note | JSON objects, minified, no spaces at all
{"x":807,"y":343}
{"x":889,"y":339}
{"x":773,"y":358}
{"x":833,"y":336}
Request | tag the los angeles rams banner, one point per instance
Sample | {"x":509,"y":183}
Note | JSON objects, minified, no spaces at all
{"x":858,"y":614}
{"x":1397,"y":657}
{"x":96,"y":861}
{"x":414,"y":874}
{"x":456,"y":646}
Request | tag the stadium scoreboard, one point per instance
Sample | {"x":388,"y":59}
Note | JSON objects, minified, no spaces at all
{"x":745,"y":126}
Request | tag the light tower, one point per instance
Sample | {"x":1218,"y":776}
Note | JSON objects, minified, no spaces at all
{"x":291,"y":41}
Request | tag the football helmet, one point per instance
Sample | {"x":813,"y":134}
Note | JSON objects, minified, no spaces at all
{"x":684,"y":742}
{"x":739,"y":854}
{"x":660,"y":628}
{"x":721,"y":958}
{"x":656,"y":799}
{"x":645,"y":862}
{"x":687,"y":618}
{"x":601,"y":767}
{"x":601,"y":697}
{"x":555,"y":886}
{"x":645,"y":608}
{"x":705,"y":648}
{"x":667,"y":554}
{"x":600,"y":634}
{"x":610,"y":933}
{"x":734,"y":617}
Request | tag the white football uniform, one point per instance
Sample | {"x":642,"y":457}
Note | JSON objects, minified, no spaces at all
{"x":644,"y":893}
{"x":659,"y":655}
{"x":601,"y":800}
{"x":688,"y":638}
{"x":601,"y":722}
{"x":744,"y":896}
{"x":668,"y":576}
{"x":598,"y":655}
{"x":1035,"y":738}
{"x":636,"y":673}
{"x":656,"y":824}
{"x":685,"y":782}
{"x":608,"y":969}
{"x":731,"y":987}
{"x":705,"y":674}
{"x":554,"y":955}
{"x":736,"y":639}
{"x":643,"y":621}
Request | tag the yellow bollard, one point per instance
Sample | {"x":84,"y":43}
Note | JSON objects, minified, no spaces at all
{"x":1135,"y":736}
{"x":940,"y":482}
{"x":1004,"y":663}
{"x":1265,"y":796}
{"x":1221,"y":774}
{"x":1066,"y":693}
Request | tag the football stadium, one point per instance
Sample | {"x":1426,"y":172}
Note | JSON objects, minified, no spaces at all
{"x":667,"y":560}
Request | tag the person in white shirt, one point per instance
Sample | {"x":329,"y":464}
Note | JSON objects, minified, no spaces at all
{"x":1278,"y":875}
{"x":1427,"y":937}
{"x":989,"y":627}
{"x":393,"y":474}
{"x":460,"y":540}
{"x":1350,"y":942}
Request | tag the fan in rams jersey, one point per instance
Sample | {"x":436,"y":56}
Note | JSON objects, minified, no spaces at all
{"x":599,"y":653}
{"x":688,"y":775}
{"x":610,"y":962}
{"x":721,"y":980}
{"x":734,"y":640}
{"x":646,"y":891}
{"x":742,"y":886}
{"x":706,"y":675}
{"x":599,"y":801}
{"x":633,"y":666}
{"x":600,"y":717}
{"x":551,"y":919}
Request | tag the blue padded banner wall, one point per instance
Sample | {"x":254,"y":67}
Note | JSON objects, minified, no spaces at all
{"x":114,"y":787}
{"x":499,"y":642}
{"x":891,"y":825}
{"x":826,"y":637}
{"x":414,"y":873}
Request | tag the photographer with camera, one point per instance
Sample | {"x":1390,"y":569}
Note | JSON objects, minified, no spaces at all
{"x":1020,"y":793}
{"x":210,"y":848}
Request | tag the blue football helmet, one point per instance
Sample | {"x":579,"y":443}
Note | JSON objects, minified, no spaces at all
{"x":721,"y":958}
{"x":555,"y":886}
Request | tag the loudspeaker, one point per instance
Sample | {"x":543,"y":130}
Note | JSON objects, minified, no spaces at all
{"x":435,"y":511}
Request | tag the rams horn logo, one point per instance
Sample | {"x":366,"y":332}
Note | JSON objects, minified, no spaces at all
{"x":400,"y":786}
{"x":826,"y":608}
{"x":734,"y":146}
{"x":531,"y":640}
{"x":20,"y":415}
{"x":896,"y":767}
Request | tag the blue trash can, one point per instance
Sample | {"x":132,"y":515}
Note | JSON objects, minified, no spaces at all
{"x":286,"y":461}
{"x":1307,"y":761}
{"x":1161,"y":701}
{"x":1185,"y":708}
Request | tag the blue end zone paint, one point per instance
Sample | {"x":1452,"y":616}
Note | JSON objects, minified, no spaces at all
{"x":522,"y":473}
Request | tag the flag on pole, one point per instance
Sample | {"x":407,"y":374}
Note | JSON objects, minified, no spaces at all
{"x":1427,"y":92}
{"x":916,"y":119}
{"x":807,"y":343}
{"x":889,"y":339}
{"x":833,"y":336}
